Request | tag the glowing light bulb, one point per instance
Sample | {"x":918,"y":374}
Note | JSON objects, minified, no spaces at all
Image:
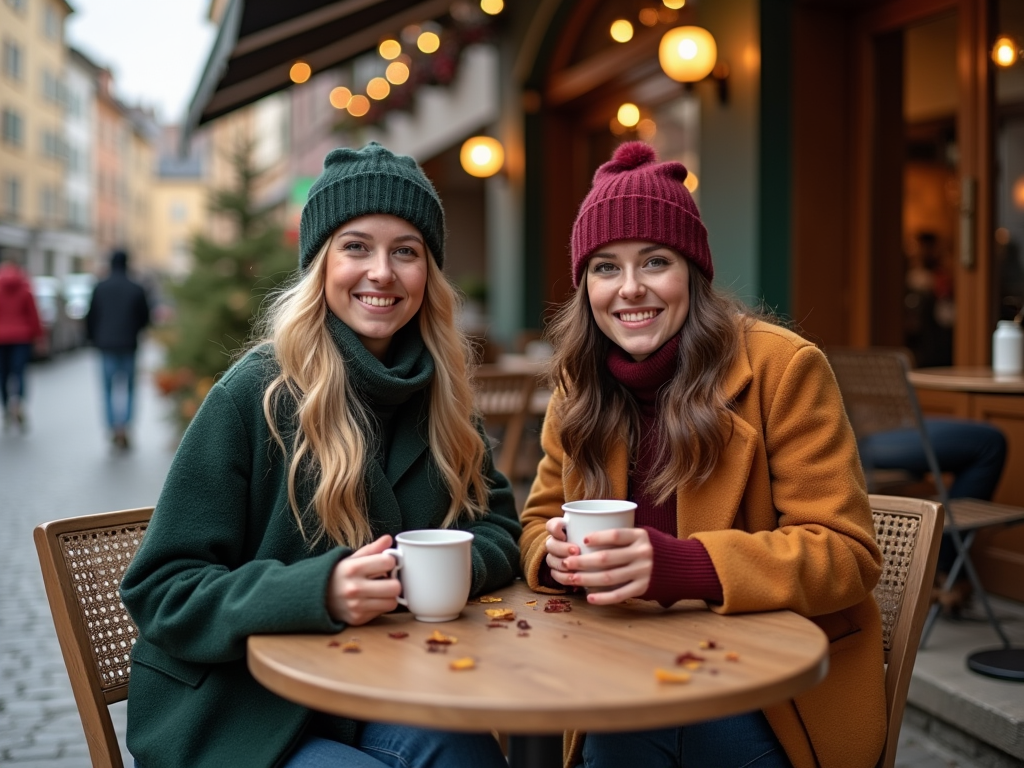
{"x":428,"y":42}
{"x":378,"y":88}
{"x":621,"y":31}
{"x":358,"y":106}
{"x":482,"y":156}
{"x":397,"y":72}
{"x":1005,"y":52}
{"x":628,"y":114}
{"x":300,"y":72}
{"x":492,"y":7}
{"x":340,"y":97}
{"x":390,"y":49}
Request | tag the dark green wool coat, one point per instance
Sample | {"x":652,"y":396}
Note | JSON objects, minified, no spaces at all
{"x":223,"y":558}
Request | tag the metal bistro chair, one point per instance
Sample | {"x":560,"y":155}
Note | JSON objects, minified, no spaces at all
{"x":879,"y":397}
{"x":503,"y":399}
{"x":908,"y":532}
{"x":83,"y":560}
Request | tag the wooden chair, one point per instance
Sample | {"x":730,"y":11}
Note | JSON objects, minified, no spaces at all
{"x":503,"y":399}
{"x":83,"y":560}
{"x":879,"y":397}
{"x":908,"y":532}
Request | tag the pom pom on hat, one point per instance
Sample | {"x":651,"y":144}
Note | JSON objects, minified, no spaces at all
{"x":634,"y":197}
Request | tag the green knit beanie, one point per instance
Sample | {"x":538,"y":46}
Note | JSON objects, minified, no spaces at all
{"x":357,"y":182}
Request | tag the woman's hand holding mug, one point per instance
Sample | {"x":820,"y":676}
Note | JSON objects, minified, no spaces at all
{"x":596,"y":546}
{"x":360,"y":588}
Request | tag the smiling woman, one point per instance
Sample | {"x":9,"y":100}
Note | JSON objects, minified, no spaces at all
{"x":349,"y":422}
{"x":729,"y":435}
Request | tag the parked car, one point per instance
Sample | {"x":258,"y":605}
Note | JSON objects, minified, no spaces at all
{"x":78,"y":288}
{"x":61,"y":331}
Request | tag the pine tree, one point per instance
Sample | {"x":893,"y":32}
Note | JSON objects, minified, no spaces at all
{"x":221,"y":298}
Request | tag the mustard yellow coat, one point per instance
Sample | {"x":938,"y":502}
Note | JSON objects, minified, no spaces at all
{"x":786,"y":521}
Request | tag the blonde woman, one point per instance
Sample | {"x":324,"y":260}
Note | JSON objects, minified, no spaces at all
{"x":729,"y":434}
{"x":351,"y":423}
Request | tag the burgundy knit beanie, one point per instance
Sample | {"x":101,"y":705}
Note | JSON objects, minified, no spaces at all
{"x":634,"y":197}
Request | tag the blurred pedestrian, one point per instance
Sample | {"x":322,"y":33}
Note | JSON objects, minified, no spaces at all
{"x":19,"y":328}
{"x":118,"y":312}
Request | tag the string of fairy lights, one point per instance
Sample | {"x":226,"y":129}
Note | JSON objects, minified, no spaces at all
{"x":424,"y":37}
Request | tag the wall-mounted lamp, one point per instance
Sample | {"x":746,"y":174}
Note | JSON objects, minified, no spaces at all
{"x":482,"y":156}
{"x":690,"y":54}
{"x":1005,"y":51}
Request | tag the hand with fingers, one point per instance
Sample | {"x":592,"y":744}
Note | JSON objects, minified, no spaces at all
{"x":361,"y":587}
{"x":621,"y":570}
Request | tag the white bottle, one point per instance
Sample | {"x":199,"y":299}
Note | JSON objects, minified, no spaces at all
{"x":1008,"y":349}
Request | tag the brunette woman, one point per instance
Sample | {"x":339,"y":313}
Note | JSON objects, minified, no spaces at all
{"x":352,"y":423}
{"x":730,"y":435}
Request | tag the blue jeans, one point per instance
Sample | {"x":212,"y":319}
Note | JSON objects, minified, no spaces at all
{"x":732,"y":742}
{"x":973,"y":451}
{"x":382,"y":745}
{"x":118,"y":387}
{"x":13,"y":361}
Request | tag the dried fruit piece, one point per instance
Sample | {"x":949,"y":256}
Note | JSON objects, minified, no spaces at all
{"x":523,"y":624}
{"x":352,"y":646}
{"x":706,"y":644}
{"x":682,"y":658}
{"x":490,"y":599}
{"x":466,"y":662}
{"x":436,"y":638}
{"x":557,"y":605}
{"x":398,"y":635}
{"x":497,"y":625}
{"x":668,"y":676}
{"x":531,"y":602}
{"x":333,"y":644}
{"x":501,"y":614}
{"x":732,"y":656}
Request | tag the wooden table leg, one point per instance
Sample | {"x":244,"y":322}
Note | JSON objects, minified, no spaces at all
{"x":534,"y":751}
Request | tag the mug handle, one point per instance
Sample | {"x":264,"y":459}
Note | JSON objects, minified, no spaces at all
{"x":394,"y":573}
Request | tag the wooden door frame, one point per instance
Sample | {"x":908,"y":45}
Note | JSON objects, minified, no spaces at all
{"x":974,"y":139}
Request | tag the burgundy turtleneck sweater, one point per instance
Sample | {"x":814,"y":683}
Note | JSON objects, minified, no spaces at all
{"x":682,"y":568}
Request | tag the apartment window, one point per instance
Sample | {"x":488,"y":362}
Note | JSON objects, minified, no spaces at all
{"x":54,"y":146}
{"x":18,"y":5}
{"x":12,"y":196}
{"x":178,"y":211}
{"x":13,"y":128}
{"x":51,"y":87}
{"x":14,"y":60}
{"x":48,"y":202}
{"x":51,"y":23}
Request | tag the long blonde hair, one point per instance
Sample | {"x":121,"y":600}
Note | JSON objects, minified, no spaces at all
{"x":694,"y":413}
{"x":332,"y":426}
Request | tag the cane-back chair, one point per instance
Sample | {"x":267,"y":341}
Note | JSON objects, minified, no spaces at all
{"x":503,"y":399}
{"x":83,"y":560}
{"x":908,"y":533}
{"x":879,"y":397}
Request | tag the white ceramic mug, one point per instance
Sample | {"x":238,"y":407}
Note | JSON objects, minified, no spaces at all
{"x":583,"y":518}
{"x":435,"y":567}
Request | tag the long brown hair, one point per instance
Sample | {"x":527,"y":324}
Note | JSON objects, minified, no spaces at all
{"x":332,"y":438}
{"x":598,"y":410}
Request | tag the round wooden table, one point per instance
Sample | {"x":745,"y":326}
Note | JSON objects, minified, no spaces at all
{"x":592,"y":668}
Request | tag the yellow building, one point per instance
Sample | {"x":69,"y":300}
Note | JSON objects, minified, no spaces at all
{"x":180,"y":205}
{"x":33,"y":147}
{"x":139,"y":167}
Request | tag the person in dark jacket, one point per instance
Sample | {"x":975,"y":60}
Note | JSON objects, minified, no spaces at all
{"x":118,"y":312}
{"x":350,"y":422}
{"x":19,"y":328}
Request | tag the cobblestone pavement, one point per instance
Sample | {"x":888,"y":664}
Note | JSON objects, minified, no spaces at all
{"x":63,"y":466}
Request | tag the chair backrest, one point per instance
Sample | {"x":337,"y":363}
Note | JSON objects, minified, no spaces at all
{"x":83,"y":560}
{"x":908,"y":533}
{"x":879,"y":397}
{"x":503,"y":399}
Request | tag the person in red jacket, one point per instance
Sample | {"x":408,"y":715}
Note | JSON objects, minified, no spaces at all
{"x":19,"y":328}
